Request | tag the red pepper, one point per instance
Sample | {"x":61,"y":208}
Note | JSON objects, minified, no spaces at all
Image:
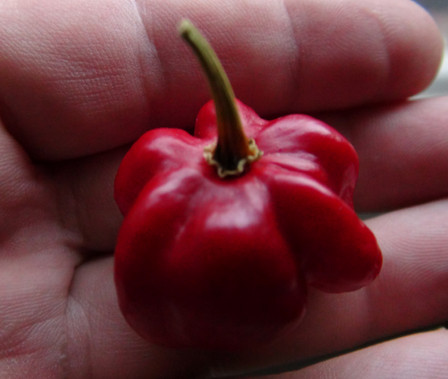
{"x":223,"y":234}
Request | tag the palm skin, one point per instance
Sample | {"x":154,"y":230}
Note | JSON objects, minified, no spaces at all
{"x":80,"y":81}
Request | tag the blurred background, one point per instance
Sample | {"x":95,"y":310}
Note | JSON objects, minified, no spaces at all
{"x":439,"y":10}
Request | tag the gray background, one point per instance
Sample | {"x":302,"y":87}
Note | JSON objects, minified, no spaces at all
{"x":439,"y":10}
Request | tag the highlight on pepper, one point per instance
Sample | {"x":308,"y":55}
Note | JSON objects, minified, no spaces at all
{"x":222,"y":236}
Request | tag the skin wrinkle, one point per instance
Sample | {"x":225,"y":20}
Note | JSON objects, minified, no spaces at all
{"x":335,"y":38}
{"x":384,"y":360}
{"x":76,"y":325}
{"x":296,"y":62}
{"x":66,"y":205}
{"x":375,"y":16}
{"x":78,"y":329}
{"x":73,"y":333}
{"x":149,"y":53}
{"x":78,"y":360}
{"x":66,"y":353}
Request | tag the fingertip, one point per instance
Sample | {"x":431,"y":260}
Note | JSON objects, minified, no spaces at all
{"x":415,"y":49}
{"x":353,"y":53}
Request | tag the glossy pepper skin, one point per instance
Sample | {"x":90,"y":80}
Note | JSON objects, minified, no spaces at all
{"x":224,"y":263}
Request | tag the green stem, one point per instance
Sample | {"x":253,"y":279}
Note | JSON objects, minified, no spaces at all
{"x":233,"y":149}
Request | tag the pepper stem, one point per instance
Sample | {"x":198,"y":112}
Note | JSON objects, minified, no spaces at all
{"x":233,"y":150}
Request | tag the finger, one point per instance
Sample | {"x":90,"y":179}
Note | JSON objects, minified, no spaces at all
{"x":70,"y":85}
{"x":398,"y":358}
{"x":409,"y":294}
{"x":403,"y":152}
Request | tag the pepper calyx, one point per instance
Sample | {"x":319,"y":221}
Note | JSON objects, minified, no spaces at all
{"x":254,"y":154}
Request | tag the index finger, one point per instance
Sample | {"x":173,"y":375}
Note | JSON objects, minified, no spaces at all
{"x":76,"y":80}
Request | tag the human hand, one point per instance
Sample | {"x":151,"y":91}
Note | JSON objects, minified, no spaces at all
{"x":80,"y":80}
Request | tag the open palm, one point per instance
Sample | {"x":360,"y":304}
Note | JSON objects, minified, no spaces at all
{"x":81,"y":80}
